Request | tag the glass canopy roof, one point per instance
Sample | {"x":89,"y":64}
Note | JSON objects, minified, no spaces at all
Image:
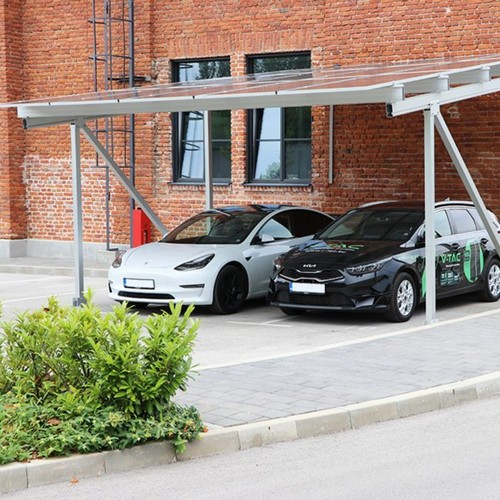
{"x":384,"y":83}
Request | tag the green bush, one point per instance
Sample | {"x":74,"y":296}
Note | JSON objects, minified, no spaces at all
{"x":78,"y":380}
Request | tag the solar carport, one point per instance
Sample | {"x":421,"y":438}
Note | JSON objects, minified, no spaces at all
{"x":409,"y":87}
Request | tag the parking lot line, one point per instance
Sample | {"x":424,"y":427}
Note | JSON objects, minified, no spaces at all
{"x":273,"y":322}
{"x":24,"y":299}
{"x":38,"y":297}
{"x":363,"y":340}
{"x":32,"y":280}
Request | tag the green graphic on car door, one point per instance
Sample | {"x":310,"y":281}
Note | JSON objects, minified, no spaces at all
{"x":470,"y":264}
{"x":473,"y":261}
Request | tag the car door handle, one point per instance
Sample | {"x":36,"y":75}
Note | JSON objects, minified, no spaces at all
{"x":455,"y":246}
{"x":484,"y":241}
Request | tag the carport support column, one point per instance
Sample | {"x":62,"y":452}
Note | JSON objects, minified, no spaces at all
{"x":207,"y":150}
{"x":78,"y":300}
{"x":430,"y":239}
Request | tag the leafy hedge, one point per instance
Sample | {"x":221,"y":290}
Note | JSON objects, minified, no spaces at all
{"x":78,"y":380}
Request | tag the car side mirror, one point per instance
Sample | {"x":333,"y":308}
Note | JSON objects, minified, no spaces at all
{"x":266,"y":238}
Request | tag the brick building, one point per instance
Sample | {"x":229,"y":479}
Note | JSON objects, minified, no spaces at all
{"x":46,"y":50}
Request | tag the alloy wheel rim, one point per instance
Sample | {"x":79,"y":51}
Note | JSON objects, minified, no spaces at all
{"x":494,"y":280}
{"x":232,"y":291}
{"x":405,"y":298}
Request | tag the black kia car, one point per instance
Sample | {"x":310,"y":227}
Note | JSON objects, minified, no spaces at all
{"x":373,"y":259}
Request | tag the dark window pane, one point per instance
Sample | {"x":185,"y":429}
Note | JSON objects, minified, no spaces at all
{"x":221,"y":157}
{"x":221,"y":125}
{"x":298,"y":123}
{"x":280,"y":63}
{"x":306,"y":223}
{"x":298,"y":160}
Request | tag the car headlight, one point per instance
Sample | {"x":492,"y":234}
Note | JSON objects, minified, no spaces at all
{"x":278,"y":263}
{"x":198,"y":263}
{"x":372,"y":267}
{"x":118,"y":259}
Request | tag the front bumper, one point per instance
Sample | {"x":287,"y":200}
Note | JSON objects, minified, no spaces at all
{"x":369,"y":293}
{"x":166,"y":286}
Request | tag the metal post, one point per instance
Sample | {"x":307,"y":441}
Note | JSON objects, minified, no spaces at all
{"x":330,"y":149}
{"x":430,"y":237}
{"x":131,"y":82}
{"x":464,"y":174}
{"x":78,"y":300}
{"x":207,"y":145}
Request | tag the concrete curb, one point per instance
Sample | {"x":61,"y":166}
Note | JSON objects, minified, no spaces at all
{"x":20,"y":476}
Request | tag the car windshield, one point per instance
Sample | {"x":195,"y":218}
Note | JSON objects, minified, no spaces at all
{"x":375,"y":224}
{"x":215,"y":228}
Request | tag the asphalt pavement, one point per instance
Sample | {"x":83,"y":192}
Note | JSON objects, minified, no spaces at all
{"x":271,"y":378}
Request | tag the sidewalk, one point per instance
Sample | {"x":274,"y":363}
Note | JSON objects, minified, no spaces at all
{"x":323,"y":390}
{"x":357,"y":373}
{"x":62,"y":267}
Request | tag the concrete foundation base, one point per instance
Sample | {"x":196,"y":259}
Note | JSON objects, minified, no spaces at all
{"x":10,"y":249}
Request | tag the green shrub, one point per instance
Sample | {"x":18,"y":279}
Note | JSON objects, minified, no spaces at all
{"x":78,"y":380}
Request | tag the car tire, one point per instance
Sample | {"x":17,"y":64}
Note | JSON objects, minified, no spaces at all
{"x":491,"y":291}
{"x":292,"y":311}
{"x":403,"y":299}
{"x":230,"y":290}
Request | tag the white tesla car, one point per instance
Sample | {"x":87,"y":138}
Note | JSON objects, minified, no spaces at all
{"x":217,"y":258}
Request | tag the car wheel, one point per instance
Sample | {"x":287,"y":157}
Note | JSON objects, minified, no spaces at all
{"x":403,"y":299}
{"x":292,"y":311}
{"x":230,"y":290}
{"x":491,"y":291}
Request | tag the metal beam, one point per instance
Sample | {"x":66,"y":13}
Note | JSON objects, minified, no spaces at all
{"x":430,"y":237}
{"x":435,"y":84}
{"x":208,"y":160}
{"x":132,"y":191}
{"x":464,"y":174}
{"x":78,"y":300}
{"x":421,"y":102}
{"x":480,"y":75}
{"x":85,"y":109}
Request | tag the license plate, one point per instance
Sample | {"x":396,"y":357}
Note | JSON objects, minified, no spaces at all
{"x":318,"y":288}
{"x":136,"y":283}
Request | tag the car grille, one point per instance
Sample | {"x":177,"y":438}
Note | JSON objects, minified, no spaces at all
{"x":151,"y":296}
{"x":311,"y":276}
{"x":332,"y":300}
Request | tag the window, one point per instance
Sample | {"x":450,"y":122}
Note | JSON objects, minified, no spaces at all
{"x":279,"y":138}
{"x":462,"y":221}
{"x":188,"y":128}
{"x":441,"y":224}
{"x":295,"y":223}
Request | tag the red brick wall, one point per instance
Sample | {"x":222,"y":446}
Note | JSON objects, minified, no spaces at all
{"x":374,"y":157}
{"x":12,"y":192}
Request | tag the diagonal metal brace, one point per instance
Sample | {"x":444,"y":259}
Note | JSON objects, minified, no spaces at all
{"x":464,"y":174}
{"x":132,"y":191}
